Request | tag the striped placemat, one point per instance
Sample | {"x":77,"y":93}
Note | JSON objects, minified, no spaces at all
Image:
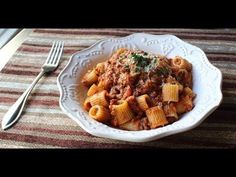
{"x":44,"y":125}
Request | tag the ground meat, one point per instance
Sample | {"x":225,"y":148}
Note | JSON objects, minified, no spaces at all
{"x":155,"y":97}
{"x":145,"y":87}
{"x":127,"y":92}
{"x":171,"y":119}
{"x":116,"y":92}
{"x":134,"y":106}
{"x":133,"y":79}
{"x":144,"y":124}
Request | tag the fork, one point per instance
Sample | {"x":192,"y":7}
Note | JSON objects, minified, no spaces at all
{"x":50,"y":65}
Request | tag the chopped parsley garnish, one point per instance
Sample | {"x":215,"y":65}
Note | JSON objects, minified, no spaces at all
{"x":141,"y":62}
{"x":139,"y":59}
{"x":148,"y":64}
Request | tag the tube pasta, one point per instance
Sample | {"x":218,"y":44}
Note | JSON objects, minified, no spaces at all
{"x":100,"y":68}
{"x":188,"y":91}
{"x":170,"y":92}
{"x":99,"y":99}
{"x":90,"y":78}
{"x":156,"y":117}
{"x":132,"y":125}
{"x":181,"y":63}
{"x":143,"y":102}
{"x":99,"y":113}
{"x":92,"y":90}
{"x":122,"y":112}
{"x":101,"y":85}
{"x":87,"y":104}
{"x":185,"y":104}
{"x":180,"y":107}
{"x":170,"y":111}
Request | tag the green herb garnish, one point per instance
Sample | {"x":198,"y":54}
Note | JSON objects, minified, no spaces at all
{"x":141,"y":62}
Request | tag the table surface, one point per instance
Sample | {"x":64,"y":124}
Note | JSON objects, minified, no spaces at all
{"x":44,"y":125}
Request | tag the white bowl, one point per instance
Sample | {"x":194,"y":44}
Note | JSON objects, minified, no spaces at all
{"x":207,"y":81}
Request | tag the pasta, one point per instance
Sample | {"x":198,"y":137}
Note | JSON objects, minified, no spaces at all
{"x":132,"y":125}
{"x":143,"y":102}
{"x":135,"y":90}
{"x":87,"y":104}
{"x":92,"y":90}
{"x":90,"y":78}
{"x":99,"y":99}
{"x":181,"y":63}
{"x":99,"y":113}
{"x":170,"y":92}
{"x":170,"y":110}
{"x":186,"y":103}
{"x":100,"y":68}
{"x":122,"y":112}
{"x":156,"y":117}
{"x":101,"y":85}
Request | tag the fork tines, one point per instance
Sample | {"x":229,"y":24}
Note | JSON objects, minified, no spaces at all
{"x":55,"y":53}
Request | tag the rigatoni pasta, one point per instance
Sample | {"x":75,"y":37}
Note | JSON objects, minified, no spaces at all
{"x":99,"y":99}
{"x":90,"y":78}
{"x":122,"y":112}
{"x":186,"y":103}
{"x":170,"y":110}
{"x":156,"y":117}
{"x":87,"y":104}
{"x":144,"y":102}
{"x":135,"y":90}
{"x":181,"y":63}
{"x":99,"y":113}
{"x":100,"y":68}
{"x":133,"y":125}
{"x":92,"y":90}
{"x":170,"y":92}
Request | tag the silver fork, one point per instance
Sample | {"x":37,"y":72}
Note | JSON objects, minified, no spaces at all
{"x":50,"y":64}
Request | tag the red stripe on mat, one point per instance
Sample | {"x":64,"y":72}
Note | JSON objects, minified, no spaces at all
{"x":30,"y":102}
{"x":44,"y":50}
{"x":26,"y":73}
{"x":33,"y":94}
{"x":61,"y":132}
{"x":61,"y":143}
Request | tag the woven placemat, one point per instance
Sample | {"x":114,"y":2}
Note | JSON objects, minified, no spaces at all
{"x":44,"y":125}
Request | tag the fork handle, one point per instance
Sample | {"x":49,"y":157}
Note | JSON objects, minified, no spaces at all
{"x":16,"y":109}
